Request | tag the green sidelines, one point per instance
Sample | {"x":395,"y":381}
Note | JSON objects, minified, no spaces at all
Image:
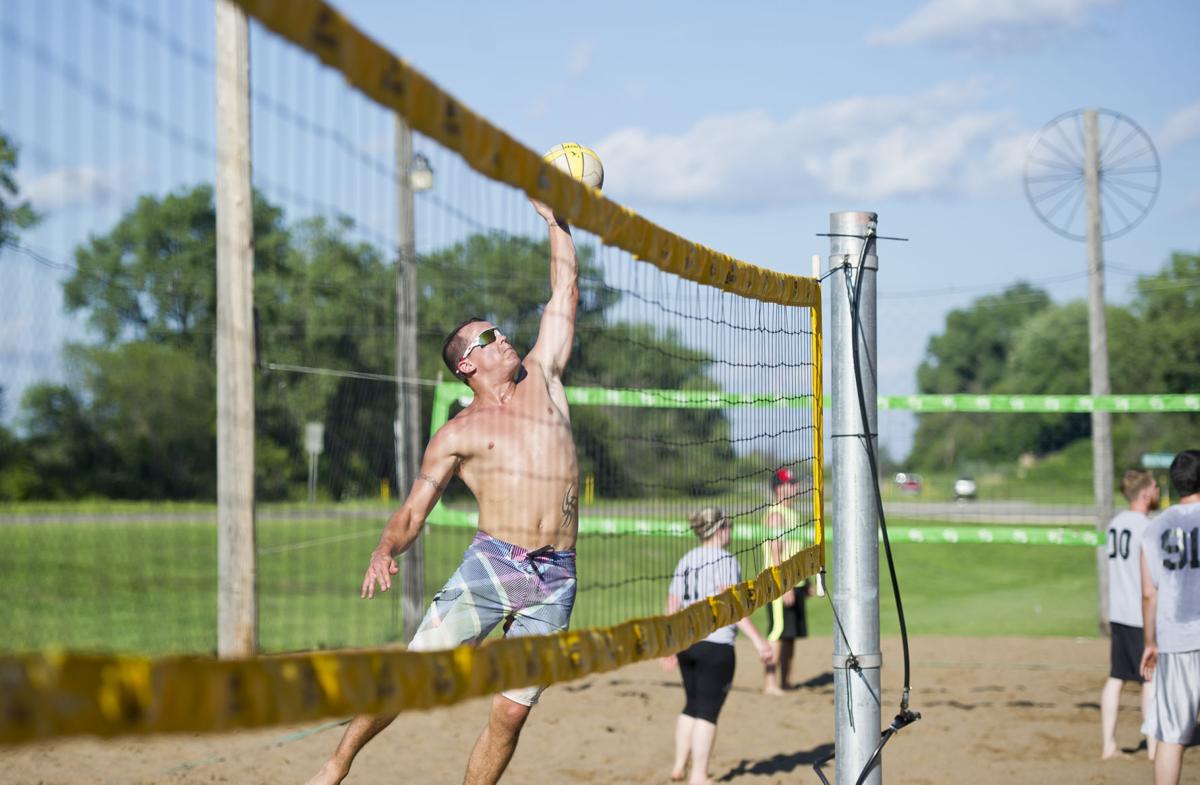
{"x":447,"y":392}
{"x":441,"y":516}
{"x":150,"y":586}
{"x":683,"y":399}
{"x":933,"y":535}
{"x":1041,"y":403}
{"x":999,"y":535}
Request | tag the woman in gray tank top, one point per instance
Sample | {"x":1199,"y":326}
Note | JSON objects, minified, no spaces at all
{"x":707,"y":666}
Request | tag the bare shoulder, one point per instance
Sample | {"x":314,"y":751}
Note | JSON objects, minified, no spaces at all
{"x":453,"y":438}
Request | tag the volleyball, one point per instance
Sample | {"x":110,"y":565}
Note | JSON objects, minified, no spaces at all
{"x":579,"y":162}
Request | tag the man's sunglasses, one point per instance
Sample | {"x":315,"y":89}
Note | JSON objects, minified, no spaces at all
{"x":483,"y":339}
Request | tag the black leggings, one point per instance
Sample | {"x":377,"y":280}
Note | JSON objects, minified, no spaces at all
{"x":707,"y":670}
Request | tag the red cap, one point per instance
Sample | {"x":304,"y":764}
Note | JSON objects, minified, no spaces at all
{"x":783,"y":475}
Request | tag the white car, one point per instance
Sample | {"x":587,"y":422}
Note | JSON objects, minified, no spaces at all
{"x":964,"y":488}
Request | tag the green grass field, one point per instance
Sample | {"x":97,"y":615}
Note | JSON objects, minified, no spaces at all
{"x":149,"y":586}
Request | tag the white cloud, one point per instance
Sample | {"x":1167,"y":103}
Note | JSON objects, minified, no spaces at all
{"x":931,"y":142}
{"x":1181,"y":127}
{"x":989,"y":24}
{"x":579,"y":61}
{"x":71,"y":187}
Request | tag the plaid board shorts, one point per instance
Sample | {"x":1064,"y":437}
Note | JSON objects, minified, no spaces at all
{"x":531,"y":592}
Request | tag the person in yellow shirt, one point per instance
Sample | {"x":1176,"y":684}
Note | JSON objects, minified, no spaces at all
{"x":786,"y":620}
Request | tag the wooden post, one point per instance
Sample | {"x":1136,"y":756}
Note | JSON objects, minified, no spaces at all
{"x":237,"y":610}
{"x":408,"y":401}
{"x":1102,"y":457}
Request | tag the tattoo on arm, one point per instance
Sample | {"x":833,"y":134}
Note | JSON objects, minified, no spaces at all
{"x":430,"y":480}
{"x":570,"y":507}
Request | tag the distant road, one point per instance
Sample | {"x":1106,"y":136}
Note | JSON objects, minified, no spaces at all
{"x":993,"y":512}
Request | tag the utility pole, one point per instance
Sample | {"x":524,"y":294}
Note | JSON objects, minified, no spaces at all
{"x":237,"y":608}
{"x":1067,"y":166}
{"x":856,"y":690}
{"x":1102,"y":457}
{"x":408,"y":401}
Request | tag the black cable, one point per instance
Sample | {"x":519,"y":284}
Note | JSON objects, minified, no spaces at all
{"x":905,"y":716}
{"x":850,"y":656}
{"x":869,"y":447}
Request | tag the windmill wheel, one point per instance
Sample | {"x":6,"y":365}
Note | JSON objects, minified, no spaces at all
{"x":1128,"y":167}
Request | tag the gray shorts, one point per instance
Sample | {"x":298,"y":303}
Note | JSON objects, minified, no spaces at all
{"x":1176,"y":696}
{"x":529,"y":592}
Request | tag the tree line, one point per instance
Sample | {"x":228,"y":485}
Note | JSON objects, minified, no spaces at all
{"x":1020,"y":342}
{"x":136,"y":416}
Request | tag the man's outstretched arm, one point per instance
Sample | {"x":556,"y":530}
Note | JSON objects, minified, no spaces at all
{"x":557,"y":330}
{"x":405,"y":524}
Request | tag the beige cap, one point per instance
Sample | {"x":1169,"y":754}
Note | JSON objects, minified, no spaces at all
{"x":706,"y":521}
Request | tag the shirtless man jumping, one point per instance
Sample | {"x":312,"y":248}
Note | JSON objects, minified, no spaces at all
{"x":512,"y":446}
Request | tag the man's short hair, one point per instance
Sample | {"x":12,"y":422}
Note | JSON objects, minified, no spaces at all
{"x":453,"y":348}
{"x":1134,"y":481}
{"x":1185,"y":473}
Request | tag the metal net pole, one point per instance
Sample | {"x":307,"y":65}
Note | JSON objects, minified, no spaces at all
{"x":856,"y":656}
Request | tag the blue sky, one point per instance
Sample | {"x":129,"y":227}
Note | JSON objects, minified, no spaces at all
{"x":740,"y":126}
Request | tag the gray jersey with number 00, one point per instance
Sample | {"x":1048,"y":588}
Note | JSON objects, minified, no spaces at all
{"x":1125,"y":568}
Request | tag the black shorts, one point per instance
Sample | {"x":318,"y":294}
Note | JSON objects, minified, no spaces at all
{"x":1126,"y":656}
{"x":707,"y":670}
{"x":785,"y":623}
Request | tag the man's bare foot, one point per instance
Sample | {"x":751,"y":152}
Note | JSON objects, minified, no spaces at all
{"x":677,"y":776}
{"x":1111,"y":752}
{"x":330,"y":774}
{"x":772,"y":691}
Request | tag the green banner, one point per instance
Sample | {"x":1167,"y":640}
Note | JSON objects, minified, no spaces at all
{"x":447,"y":392}
{"x":651,"y":399}
{"x":931,"y":535}
{"x":441,"y":516}
{"x":997,"y":535}
{"x":1016,"y":404}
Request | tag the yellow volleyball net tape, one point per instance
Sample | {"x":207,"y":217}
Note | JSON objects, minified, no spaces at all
{"x":49,"y":695}
{"x":320,"y":29}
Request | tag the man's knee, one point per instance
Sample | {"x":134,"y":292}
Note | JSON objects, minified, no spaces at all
{"x":508,"y":714}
